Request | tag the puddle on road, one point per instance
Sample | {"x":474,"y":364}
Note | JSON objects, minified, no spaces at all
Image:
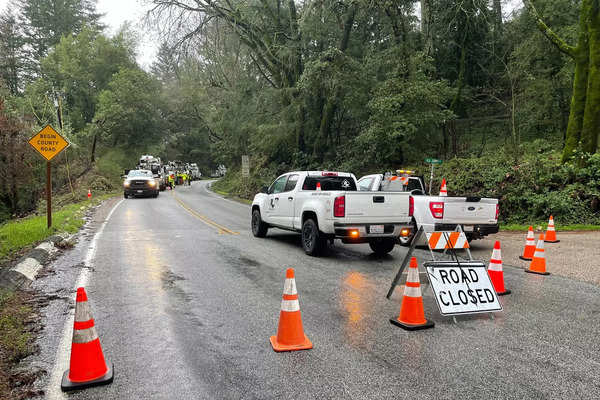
{"x":358,"y":303}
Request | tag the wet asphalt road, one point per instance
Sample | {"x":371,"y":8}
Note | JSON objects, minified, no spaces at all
{"x":185,"y":299}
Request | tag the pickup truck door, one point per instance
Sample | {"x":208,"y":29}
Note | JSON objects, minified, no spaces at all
{"x":285,"y":210}
{"x":273,"y":201}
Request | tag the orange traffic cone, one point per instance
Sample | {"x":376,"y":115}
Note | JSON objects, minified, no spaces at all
{"x":290,"y":334}
{"x":550,"y":232}
{"x":89,"y":194}
{"x":495,"y":271}
{"x":538,"y":264}
{"x":412,"y":314}
{"x":319,"y":186}
{"x":88,"y":367}
{"x":529,"y":246}
{"x":443,"y":189}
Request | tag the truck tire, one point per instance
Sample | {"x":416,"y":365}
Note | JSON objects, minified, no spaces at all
{"x":382,"y":246}
{"x":313,"y":241}
{"x":259,"y":227}
{"x":125,"y":195}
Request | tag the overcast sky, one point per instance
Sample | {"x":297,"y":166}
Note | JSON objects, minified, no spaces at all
{"x":116,"y":12}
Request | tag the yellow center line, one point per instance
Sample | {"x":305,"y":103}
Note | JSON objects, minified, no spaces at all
{"x":221,"y":229}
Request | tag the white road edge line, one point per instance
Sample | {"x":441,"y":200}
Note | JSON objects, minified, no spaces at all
{"x":217,"y":196}
{"x":61,"y":363}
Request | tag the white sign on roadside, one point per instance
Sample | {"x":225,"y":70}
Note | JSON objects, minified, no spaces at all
{"x":245,"y":166}
{"x":462,"y":288}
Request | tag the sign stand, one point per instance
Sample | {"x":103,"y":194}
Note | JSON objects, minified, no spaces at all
{"x":468,"y":265}
{"x":405,"y":261}
{"x":49,"y":144}
{"x":49,"y":193}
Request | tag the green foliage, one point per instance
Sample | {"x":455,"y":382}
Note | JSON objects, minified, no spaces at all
{"x":14,"y":339}
{"x":531,"y":190}
{"x":128,"y":109}
{"x":24,"y":232}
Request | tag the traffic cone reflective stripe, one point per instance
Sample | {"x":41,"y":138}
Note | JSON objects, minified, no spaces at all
{"x":87,"y":366}
{"x":538,"y":264}
{"x":290,"y":333}
{"x":529,"y":246}
{"x":412,"y":314}
{"x":443,"y":189}
{"x":495,"y":270}
{"x":550,"y":232}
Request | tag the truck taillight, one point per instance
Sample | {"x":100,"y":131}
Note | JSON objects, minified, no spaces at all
{"x":339,"y":206}
{"x":325,"y":173}
{"x":437,"y":209}
{"x":411,"y":206}
{"x":497,"y":211}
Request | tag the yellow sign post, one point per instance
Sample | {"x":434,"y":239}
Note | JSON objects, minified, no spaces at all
{"x":49,"y":144}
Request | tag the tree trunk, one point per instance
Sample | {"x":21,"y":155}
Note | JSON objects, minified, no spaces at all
{"x":577,"y":110}
{"x":497,"y":18}
{"x":93,"y":157}
{"x":584,"y":119}
{"x":591,"y":119}
{"x":426,"y":23}
{"x":330,"y":107}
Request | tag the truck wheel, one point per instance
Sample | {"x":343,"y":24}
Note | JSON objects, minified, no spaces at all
{"x":259,"y":228}
{"x":125,"y":195}
{"x":313,"y":241}
{"x":382,"y":246}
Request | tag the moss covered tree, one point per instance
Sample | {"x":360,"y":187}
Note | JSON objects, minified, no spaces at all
{"x":584,"y":118}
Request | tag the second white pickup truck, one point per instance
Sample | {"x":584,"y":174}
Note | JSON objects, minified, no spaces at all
{"x":477,"y":216}
{"x":324,"y":205}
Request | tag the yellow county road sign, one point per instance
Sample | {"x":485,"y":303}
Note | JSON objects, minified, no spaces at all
{"x":48,"y":143}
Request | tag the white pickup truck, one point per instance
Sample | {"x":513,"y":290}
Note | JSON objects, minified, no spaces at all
{"x":323,"y":206}
{"x":477,"y":216}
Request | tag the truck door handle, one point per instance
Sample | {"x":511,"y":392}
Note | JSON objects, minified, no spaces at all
{"x":290,"y":198}
{"x":378,"y":199}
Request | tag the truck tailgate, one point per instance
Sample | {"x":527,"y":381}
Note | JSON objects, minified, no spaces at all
{"x":377,"y":207}
{"x":467,"y":210}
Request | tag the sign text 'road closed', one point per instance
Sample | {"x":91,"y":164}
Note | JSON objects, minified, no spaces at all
{"x":463,"y":288}
{"x":48,"y":143}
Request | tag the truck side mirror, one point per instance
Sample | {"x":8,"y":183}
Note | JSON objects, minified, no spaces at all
{"x":264,"y":190}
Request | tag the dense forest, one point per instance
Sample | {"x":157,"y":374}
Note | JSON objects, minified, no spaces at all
{"x":509,"y":100}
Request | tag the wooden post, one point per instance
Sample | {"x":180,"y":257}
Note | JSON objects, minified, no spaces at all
{"x":49,"y":193}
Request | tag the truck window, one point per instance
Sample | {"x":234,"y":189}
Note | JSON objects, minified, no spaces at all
{"x":329,"y":183}
{"x":278,"y":185}
{"x":395,"y":184}
{"x":291,"y":183}
{"x":365,"y":184}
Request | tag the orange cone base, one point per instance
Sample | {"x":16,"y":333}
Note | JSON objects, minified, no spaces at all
{"x":67,"y":385}
{"x":411,"y":327}
{"x":551,"y":241}
{"x":536,"y":272}
{"x":305,"y":345}
{"x":507,"y":291}
{"x":526,"y":259}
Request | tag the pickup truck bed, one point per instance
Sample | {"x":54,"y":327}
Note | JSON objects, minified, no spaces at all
{"x":477,"y":216}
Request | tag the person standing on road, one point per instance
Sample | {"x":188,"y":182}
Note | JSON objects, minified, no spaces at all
{"x":172,"y":181}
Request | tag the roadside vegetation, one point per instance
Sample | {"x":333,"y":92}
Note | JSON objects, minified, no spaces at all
{"x":16,"y":342}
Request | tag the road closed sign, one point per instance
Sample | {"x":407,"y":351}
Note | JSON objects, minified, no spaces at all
{"x":462,"y":288}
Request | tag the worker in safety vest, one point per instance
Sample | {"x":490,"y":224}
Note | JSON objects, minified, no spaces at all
{"x":172,"y":181}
